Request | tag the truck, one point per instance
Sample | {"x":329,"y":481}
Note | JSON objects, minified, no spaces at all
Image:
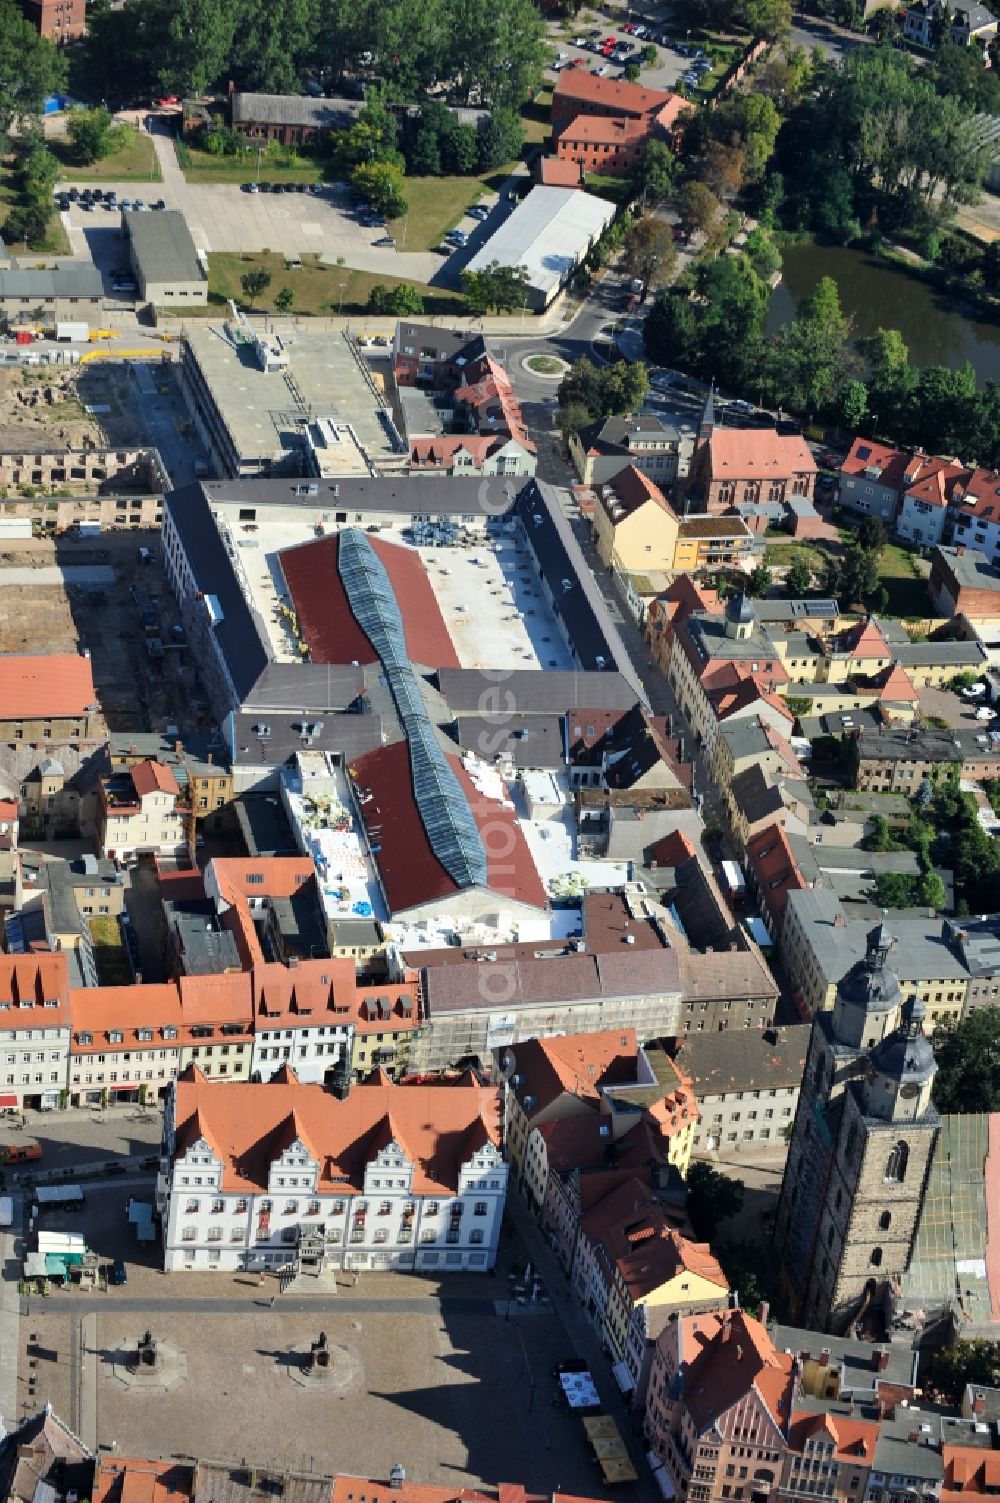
{"x":20,"y":1153}
{"x":73,"y":333}
{"x":58,"y":1197}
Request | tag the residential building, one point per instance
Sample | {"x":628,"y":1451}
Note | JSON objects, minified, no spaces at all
{"x":471,"y":454}
{"x":125,"y":1044}
{"x":714,"y":542}
{"x":60,"y":21}
{"x":635,"y":528}
{"x":864,"y":1134}
{"x":719,"y":1406}
{"x":168,"y":271}
{"x":740,"y":466}
{"x":644,"y":443}
{"x":964,"y":582}
{"x":631,"y":1256}
{"x":217,"y":1025}
{"x":48,"y":697}
{"x":819,"y":944}
{"x":714,"y":651}
{"x":548,"y":234}
{"x":387,"y":1021}
{"x":897,"y":760}
{"x":35,"y":1022}
{"x":746,"y":1085}
{"x":298,"y":119}
{"x":43,"y":1452}
{"x":549,"y":1079}
{"x":139,"y":812}
{"x":287,"y":1175}
{"x":773,"y":873}
{"x":70,"y":292}
{"x":636,"y":753}
{"x":603,"y":124}
{"x":972,"y":25}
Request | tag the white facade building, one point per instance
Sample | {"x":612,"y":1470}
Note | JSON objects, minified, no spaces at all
{"x":286,"y":1176}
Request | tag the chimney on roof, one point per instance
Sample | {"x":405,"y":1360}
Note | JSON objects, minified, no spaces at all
{"x":880,"y":1359}
{"x":727,"y":1329}
{"x":979,"y":1404}
{"x":764,"y":1312}
{"x":839,"y":921}
{"x":138,"y":978}
{"x":209,"y":756}
{"x":293,"y":961}
{"x":178,"y":747}
{"x":824,"y":1356}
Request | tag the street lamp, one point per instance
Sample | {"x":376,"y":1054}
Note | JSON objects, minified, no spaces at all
{"x":259,"y":150}
{"x":340,"y":309}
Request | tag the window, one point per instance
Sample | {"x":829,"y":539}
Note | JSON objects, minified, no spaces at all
{"x":481,"y":1208}
{"x":291,"y":1208}
{"x":476,"y":1236}
{"x":895,"y":1167}
{"x":884,"y":1220}
{"x":876,"y":1257}
{"x":431,"y":1208}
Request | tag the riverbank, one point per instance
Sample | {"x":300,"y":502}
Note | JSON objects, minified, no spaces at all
{"x":883,"y":287}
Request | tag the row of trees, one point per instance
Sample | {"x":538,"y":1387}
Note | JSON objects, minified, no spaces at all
{"x":876,"y":141}
{"x":712,"y":323}
{"x":489,"y":54}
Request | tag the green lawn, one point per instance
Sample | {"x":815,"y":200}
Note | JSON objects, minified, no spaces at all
{"x":436,"y":205}
{"x":110,"y":955}
{"x":617,"y":189}
{"x":135,"y":163}
{"x":535,"y":118}
{"x":907,"y":591}
{"x":281,"y":167}
{"x":317,"y":288}
{"x":55,"y":242}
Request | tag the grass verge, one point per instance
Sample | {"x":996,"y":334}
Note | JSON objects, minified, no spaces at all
{"x":436,"y":205}
{"x":55,"y":242}
{"x":136,"y":162}
{"x":317,"y":288}
{"x":282,"y":167}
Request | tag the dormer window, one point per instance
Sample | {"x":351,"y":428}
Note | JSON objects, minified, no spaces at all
{"x":115,"y":1036}
{"x":85,"y":1038}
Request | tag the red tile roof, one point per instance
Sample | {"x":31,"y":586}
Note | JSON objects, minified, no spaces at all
{"x":153,"y":777}
{"x":638,"y":1240}
{"x":216,"y":999}
{"x":438,"y":453}
{"x":727,"y":1357}
{"x":129,"y":1479}
{"x":773,"y":864}
{"x":672,"y":850}
{"x":56,"y":685}
{"x":614,"y":130}
{"x":346,"y":1488}
{"x":758,"y":454}
{"x":97,"y":1010}
{"x":574,"y":1064}
{"x":328,"y":624}
{"x":555,"y":172}
{"x":27,"y":984}
{"x":866,"y":640}
{"x":854,"y":1440}
{"x":628,"y":491}
{"x":491,"y":391}
{"x":617,"y":95}
{"x":897,"y":685}
{"x":411,"y":873}
{"x":984,"y":486}
{"x":865,"y":454}
{"x":242,"y":877}
{"x":438,"y":1127}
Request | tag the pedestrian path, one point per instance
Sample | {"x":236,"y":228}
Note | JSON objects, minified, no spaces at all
{"x":11,"y":1249}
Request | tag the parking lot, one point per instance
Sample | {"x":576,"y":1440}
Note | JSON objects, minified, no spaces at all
{"x":664,"y":74}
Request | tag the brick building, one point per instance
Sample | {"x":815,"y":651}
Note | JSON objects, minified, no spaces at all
{"x":59,"y":20}
{"x":46,"y":698}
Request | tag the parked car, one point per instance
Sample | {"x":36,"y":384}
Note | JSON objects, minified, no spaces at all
{"x":265,"y":187}
{"x":602,"y":70}
{"x":478,"y":211}
{"x":160,"y":203}
{"x":117,"y":1273}
{"x":251,"y":188}
{"x":973,"y":691}
{"x":443,"y":250}
{"x":985,"y":713}
{"x":384,"y":240}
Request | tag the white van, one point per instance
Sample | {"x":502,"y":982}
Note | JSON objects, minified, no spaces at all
{"x":6,"y":1211}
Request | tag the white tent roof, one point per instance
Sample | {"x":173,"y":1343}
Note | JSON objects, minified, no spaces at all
{"x":547,"y":234}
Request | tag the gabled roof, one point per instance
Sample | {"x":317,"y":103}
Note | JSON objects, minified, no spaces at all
{"x":773,"y":864}
{"x":854,"y":1440}
{"x":628,"y":492}
{"x":153,"y":777}
{"x":866,"y":640}
{"x":55,"y":684}
{"x":575,"y":1064}
{"x":728,"y":1357}
{"x":31,"y":1454}
{"x":245,"y":1122}
{"x":758,"y":454}
{"x":895,"y":684}
{"x":638,"y":1240}
{"x":617,"y":95}
{"x":99,"y":1010}
{"x":34,"y":990}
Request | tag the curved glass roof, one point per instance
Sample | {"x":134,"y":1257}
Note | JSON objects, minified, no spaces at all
{"x":444,"y":808}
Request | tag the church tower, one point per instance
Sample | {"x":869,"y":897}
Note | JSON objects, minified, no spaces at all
{"x":861,"y":1147}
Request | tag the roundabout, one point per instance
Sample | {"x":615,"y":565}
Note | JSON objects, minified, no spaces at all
{"x":549,"y":367}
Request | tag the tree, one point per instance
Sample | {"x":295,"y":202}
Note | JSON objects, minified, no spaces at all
{"x":931,"y":891}
{"x":654,"y":173}
{"x":712,"y":1197}
{"x":722,"y":169}
{"x":191,"y":42}
{"x":762,"y":253}
{"x":283,"y":300}
{"x":968,"y":1061}
{"x":811,"y":355}
{"x":94,"y":134}
{"x":30,"y":67}
{"x":879,"y":836}
{"x":893,"y":890}
{"x":854,"y":403}
{"x":798,"y":579}
{"x":255,"y":283}
{"x":632,"y":72}
{"x":371,"y":138}
{"x":502,"y":140}
{"x":405,"y":301}
{"x":382,"y":184}
{"x":952,"y":1368}
{"x":573,"y":418}
{"x":858,"y":576}
{"x":670,"y":332}
{"x":750,"y":1273}
{"x":649,"y":55}
{"x":603,"y":390}
{"x":504,"y":288}
{"x":759,"y":581}
{"x":649,"y":253}
{"x":871,"y":534}
{"x":698,"y":207}
{"x":493,"y":54}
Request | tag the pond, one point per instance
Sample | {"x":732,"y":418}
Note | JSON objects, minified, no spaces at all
{"x":882,"y":295}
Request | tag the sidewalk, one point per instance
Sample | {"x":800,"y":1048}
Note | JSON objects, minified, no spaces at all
{"x":11,"y":1251}
{"x":585,"y":1339}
